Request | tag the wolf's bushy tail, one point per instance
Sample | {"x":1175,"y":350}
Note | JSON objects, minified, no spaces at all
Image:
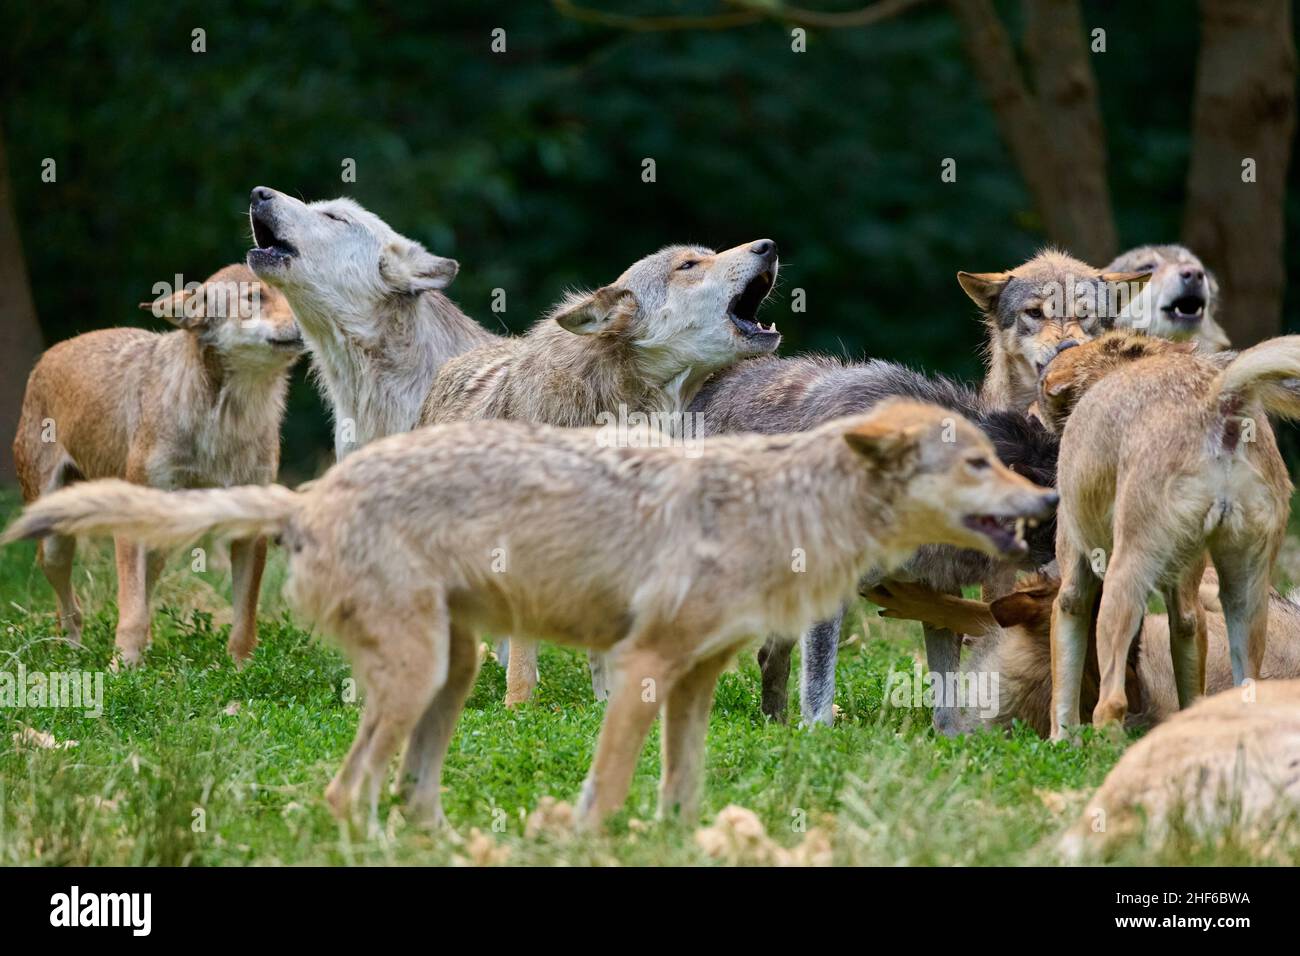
{"x":156,"y":517}
{"x":1260,"y":373}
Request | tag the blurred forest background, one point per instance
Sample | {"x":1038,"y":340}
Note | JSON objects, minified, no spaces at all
{"x":526,"y":164}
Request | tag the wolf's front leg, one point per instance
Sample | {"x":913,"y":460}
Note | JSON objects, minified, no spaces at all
{"x":247,"y":561}
{"x":137,"y":570}
{"x":820,"y":646}
{"x":943,"y":658}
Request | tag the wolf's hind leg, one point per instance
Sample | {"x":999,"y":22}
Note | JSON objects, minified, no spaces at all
{"x":1187,"y":635}
{"x":55,"y":552}
{"x":402,"y":670}
{"x":686,"y":723}
{"x":1071,"y":622}
{"x":1243,"y":592}
{"x":422,"y":768}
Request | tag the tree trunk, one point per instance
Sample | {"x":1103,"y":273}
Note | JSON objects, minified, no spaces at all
{"x":1055,"y":137}
{"x":20,"y":335}
{"x":1244,"y":109}
{"x":1060,"y":66}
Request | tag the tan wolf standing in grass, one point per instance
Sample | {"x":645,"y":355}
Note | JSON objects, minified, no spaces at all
{"x":671,"y":563}
{"x":642,"y":345}
{"x":195,"y":408}
{"x":1165,"y":456}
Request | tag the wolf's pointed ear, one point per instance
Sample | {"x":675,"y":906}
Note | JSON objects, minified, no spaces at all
{"x":586,"y":313}
{"x":882,"y":443}
{"x":414,"y":269}
{"x":983,"y":287}
{"x":184,"y":308}
{"x":1138,"y":278}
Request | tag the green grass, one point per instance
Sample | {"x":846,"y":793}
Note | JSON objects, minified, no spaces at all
{"x":195,"y":763}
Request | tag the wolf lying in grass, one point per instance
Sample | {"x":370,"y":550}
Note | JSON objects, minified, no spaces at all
{"x":409,"y":548}
{"x":197,"y":407}
{"x":1228,"y":761}
{"x":1165,"y":456}
{"x":1011,"y":637}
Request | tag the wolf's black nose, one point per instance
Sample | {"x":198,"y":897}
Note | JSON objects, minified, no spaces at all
{"x":765,"y":248}
{"x":260,"y":194}
{"x":1051,"y":500}
{"x":1191,"y":274}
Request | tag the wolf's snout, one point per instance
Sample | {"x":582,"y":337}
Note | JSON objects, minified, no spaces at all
{"x":764,"y":248}
{"x":1047,"y":504}
{"x":1191,"y":275}
{"x":261,"y":194}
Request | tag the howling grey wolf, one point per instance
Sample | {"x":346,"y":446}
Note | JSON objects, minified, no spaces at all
{"x":773,"y":396}
{"x":1038,"y":308}
{"x":1227,"y":761}
{"x":1011,"y":637}
{"x":371,"y":308}
{"x":396,"y":552}
{"x":1180,"y":301}
{"x":1164,"y":455}
{"x":197,"y":407}
{"x":644,"y":344}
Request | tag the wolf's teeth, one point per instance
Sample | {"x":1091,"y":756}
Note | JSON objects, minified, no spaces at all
{"x":1020,"y":529}
{"x":1033,"y":522}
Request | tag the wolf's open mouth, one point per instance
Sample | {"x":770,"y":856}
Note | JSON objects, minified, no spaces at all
{"x":269,"y":246}
{"x":744,"y":307}
{"x":1185,"y":308}
{"x":1007,"y":534}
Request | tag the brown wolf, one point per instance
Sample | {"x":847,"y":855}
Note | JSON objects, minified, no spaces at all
{"x":643,"y":344}
{"x":1165,"y":455}
{"x":194,"y":408}
{"x":398,"y":552}
{"x":1034,"y":310}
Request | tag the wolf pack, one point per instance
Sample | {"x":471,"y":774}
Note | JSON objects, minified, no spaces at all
{"x":1118,"y":448}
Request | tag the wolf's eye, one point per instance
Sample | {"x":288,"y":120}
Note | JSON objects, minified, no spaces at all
{"x":688,"y":264}
{"x":330,"y":215}
{"x":1034,"y":313}
{"x":1146,"y":267}
{"x":978,"y":463}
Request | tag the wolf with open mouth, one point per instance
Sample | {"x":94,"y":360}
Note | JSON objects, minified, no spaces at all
{"x":645,"y":343}
{"x":1179,"y":302}
{"x":371,"y":304}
